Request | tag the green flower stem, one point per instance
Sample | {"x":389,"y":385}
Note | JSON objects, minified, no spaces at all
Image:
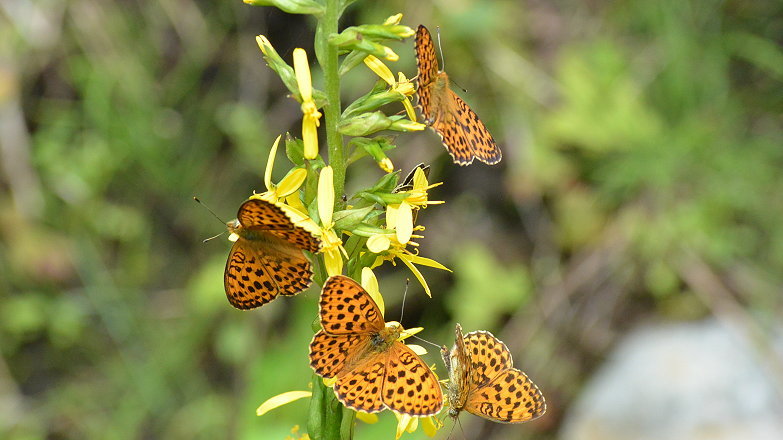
{"x":326,"y":413}
{"x":328,"y":419}
{"x":332,"y":110}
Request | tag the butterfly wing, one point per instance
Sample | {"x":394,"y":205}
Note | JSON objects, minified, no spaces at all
{"x":410,"y":387}
{"x":267,"y":259}
{"x":457,"y":364}
{"x":329,"y":354}
{"x":497,"y":391}
{"x":463,"y":134}
{"x":261,"y":215}
{"x":347,"y":309}
{"x":511,"y":397}
{"x":487,"y":355}
{"x":256,"y":274}
{"x":427,"y":66}
{"x":349,"y":317}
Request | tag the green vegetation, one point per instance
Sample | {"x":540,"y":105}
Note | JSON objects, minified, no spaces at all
{"x":640,"y":181}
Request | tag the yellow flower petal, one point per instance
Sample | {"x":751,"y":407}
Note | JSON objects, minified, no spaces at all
{"x":295,"y":202}
{"x":370,"y":284}
{"x":380,"y":69}
{"x":429,"y":262}
{"x":405,"y":87}
{"x":389,"y":54}
{"x":263,"y":43}
{"x":326,"y":196}
{"x":329,"y":382}
{"x":333,"y":260}
{"x":270,"y":163}
{"x":418,"y":349}
{"x":291,"y":182}
{"x":394,"y":19}
{"x":302,"y":70}
{"x":310,"y":133}
{"x":280,"y":400}
{"x":391,"y":216}
{"x":403,"y":421}
{"x":377,"y":243}
{"x":419,"y":179}
{"x":409,"y":111}
{"x":404,"y":223}
{"x":367,"y":417}
{"x":409,"y":125}
{"x":408,"y":332}
{"x":430,"y":426}
{"x":417,"y":274}
{"x":386,"y":164}
{"x":232,"y":237}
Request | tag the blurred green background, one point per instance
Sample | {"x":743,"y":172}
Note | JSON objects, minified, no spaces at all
{"x":641,"y":182}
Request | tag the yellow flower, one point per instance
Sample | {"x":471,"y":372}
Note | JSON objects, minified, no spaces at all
{"x":417,"y":196}
{"x":332,"y":246}
{"x":370,"y":284}
{"x":400,"y":219}
{"x":403,"y":86}
{"x":310,"y":121}
{"x":295,"y":434}
{"x":400,"y":216}
{"x":386,"y":165}
{"x":405,"y":423}
{"x":389,"y":248}
{"x":288,"y":186}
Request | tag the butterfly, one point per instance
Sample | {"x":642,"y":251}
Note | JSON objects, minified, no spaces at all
{"x":267,"y":258}
{"x":484,"y":382}
{"x":373,"y":370}
{"x":463,"y":134}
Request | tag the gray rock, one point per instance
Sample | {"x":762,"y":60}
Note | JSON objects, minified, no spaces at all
{"x":693,"y":381}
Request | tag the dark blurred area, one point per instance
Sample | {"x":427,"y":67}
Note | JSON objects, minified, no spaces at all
{"x":635,"y":219}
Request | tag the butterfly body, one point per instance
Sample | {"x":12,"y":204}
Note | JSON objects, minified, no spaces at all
{"x":463,"y":134}
{"x":483,"y":381}
{"x":267,"y":258}
{"x":373,"y":369}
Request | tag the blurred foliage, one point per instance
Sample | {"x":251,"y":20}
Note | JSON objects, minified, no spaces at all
{"x":642,"y":156}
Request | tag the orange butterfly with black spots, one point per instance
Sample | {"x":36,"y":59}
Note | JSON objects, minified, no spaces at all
{"x":462,"y":132}
{"x":373,"y":369}
{"x":267,"y":258}
{"x":484,"y":382}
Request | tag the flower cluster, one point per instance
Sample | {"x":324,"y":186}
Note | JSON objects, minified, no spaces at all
{"x":355,"y":232}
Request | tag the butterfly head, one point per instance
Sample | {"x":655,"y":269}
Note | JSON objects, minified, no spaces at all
{"x":234,"y":228}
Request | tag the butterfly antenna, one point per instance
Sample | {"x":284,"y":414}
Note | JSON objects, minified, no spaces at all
{"x":464,"y":90}
{"x":404,"y":295}
{"x":213,"y":237}
{"x":210,"y":211}
{"x":461,"y":429}
{"x":451,"y":431}
{"x":428,"y":342}
{"x":440,"y":49}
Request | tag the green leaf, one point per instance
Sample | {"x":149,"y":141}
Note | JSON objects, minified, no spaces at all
{"x":348,"y":219}
{"x":294,"y":149}
{"x":364,"y":124}
{"x":291,"y":6}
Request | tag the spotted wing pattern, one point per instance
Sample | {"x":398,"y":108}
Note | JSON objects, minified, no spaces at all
{"x":410,"y":386}
{"x":484,"y":382}
{"x":261,"y":215}
{"x":374,"y":370}
{"x":427,"y":67}
{"x":267,"y":258}
{"x":462,"y":132}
